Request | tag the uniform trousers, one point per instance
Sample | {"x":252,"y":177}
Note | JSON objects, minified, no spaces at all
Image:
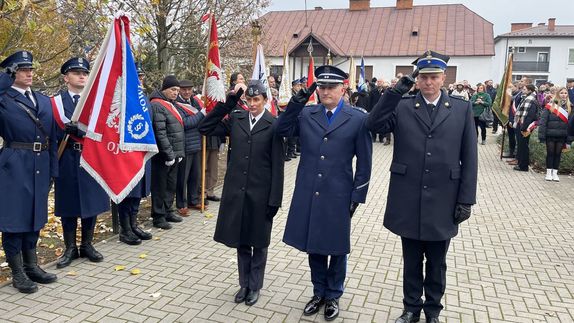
{"x":188,"y":181}
{"x":291,"y":145}
{"x":434,"y":281}
{"x":70,"y":224}
{"x":328,"y":275}
{"x":511,"y":141}
{"x":251,"y":263}
{"x":163,"y":185}
{"x":211,"y":170}
{"x":523,"y":154}
{"x":14,"y":242}
{"x":129,"y":206}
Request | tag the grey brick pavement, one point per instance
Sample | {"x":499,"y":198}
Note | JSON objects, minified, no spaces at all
{"x":513,"y":261}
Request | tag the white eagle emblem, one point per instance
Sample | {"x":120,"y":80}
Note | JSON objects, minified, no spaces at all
{"x":113,"y":120}
{"x":214,"y":84}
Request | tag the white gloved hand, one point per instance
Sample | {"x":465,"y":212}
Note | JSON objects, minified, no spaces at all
{"x":170,"y":162}
{"x":179,"y":159}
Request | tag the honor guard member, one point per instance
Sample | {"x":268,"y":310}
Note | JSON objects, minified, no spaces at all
{"x":253,"y":186}
{"x":433,"y":178}
{"x":326,"y":192}
{"x":77,"y":194}
{"x":28,"y":160}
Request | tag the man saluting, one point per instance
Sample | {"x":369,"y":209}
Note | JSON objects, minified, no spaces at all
{"x":326,"y":192}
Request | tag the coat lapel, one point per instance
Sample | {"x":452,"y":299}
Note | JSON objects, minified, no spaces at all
{"x":319,"y":116}
{"x":420,"y":111}
{"x":243,"y":121}
{"x":263,"y":123}
{"x":443,"y":110}
{"x":18,"y":97}
{"x":68,"y":104}
{"x":340,"y":118}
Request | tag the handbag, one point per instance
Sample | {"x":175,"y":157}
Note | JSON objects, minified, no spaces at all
{"x":486,"y":115}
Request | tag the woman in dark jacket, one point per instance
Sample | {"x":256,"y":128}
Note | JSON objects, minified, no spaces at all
{"x":480,"y":102}
{"x":553,"y":129}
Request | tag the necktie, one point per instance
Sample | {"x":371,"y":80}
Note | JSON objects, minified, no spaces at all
{"x":253,"y":121}
{"x":329,"y":115}
{"x":29,"y":96}
{"x":76,"y":99}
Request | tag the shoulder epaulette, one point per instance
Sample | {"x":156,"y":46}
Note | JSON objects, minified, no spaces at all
{"x":359,"y":109}
{"x":408,"y":97}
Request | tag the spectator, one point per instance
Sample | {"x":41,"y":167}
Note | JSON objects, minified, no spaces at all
{"x":460,"y":92}
{"x":480,"y":102}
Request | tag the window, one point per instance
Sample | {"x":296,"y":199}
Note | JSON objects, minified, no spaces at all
{"x":571,"y":56}
{"x":522,"y":49}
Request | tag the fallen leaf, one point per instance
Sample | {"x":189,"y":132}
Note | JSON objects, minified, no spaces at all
{"x":142,"y":256}
{"x":71,"y":273}
{"x":51,"y":246}
{"x":4,"y":265}
{"x":135,"y":271}
{"x":155,"y":295}
{"x":58,"y":252}
{"x":156,"y":238}
{"x":2,"y":254}
{"x":119,"y":267}
{"x":208,"y":215}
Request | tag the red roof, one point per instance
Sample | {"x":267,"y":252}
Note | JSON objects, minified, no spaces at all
{"x":452,"y":29}
{"x":542,"y":31}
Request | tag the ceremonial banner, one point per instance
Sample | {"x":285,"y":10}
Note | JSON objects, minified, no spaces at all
{"x":213,"y":88}
{"x":260,"y":73}
{"x":114,"y":114}
{"x":352,"y":74}
{"x":285,"y":87}
{"x":311,"y":79}
{"x":362,"y":87}
{"x":503,"y":101}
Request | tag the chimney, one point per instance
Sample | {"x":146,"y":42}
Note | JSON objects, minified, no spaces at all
{"x":404,"y":4}
{"x":359,"y":5}
{"x":551,"y":24}
{"x":541,"y":24}
{"x":515,"y":26}
{"x":318,"y":8}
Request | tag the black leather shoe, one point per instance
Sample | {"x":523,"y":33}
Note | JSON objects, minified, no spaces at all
{"x":161,"y":223}
{"x":20,"y":280}
{"x":33,"y":271}
{"x":519,"y":169}
{"x":252,"y":297}
{"x":241,"y":294}
{"x":408,"y":317}
{"x":331,"y":309}
{"x":313,"y":306}
{"x":433,"y":320}
{"x":170,"y":217}
{"x":141,"y":234}
{"x":87,"y":250}
{"x":213,"y":198}
{"x":292,"y":156}
{"x":71,"y":251}
{"x":286,"y":158}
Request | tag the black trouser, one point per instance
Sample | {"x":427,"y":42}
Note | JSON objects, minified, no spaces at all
{"x":70,"y":224}
{"x":511,"y":141}
{"x":434,"y":281}
{"x":163,"y":184}
{"x":188,"y":181}
{"x":251,"y":263}
{"x":129,"y":206}
{"x":328,"y":275}
{"x":554,"y":152}
{"x":495,"y":123}
{"x":523,"y":154}
{"x":14,"y":243}
{"x":291,"y":145}
{"x":479,"y":123}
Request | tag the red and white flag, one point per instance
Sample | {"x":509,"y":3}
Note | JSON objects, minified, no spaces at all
{"x":213,"y":88}
{"x":311,"y":79}
{"x":113,"y":111}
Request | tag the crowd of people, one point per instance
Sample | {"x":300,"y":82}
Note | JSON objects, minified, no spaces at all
{"x":329,"y":138}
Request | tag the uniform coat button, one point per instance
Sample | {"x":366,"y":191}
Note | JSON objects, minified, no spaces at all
{"x":425,"y":187}
{"x":320,"y":175}
{"x":37,"y":172}
{"x":244,"y":172}
{"x":248,"y":141}
{"x":430,"y":136}
{"x":316,"y":193}
{"x":325,"y":139}
{"x":246,"y":157}
{"x":322,"y":157}
{"x":243,"y":188}
{"x":428,"y":154}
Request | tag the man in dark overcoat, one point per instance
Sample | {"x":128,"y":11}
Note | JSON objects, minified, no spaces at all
{"x":433,"y":178}
{"x":77,"y":194}
{"x":326,"y":192}
{"x":28,"y":161}
{"x":253,"y":185}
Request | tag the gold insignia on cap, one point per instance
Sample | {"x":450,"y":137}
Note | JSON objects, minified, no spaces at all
{"x":429,"y":55}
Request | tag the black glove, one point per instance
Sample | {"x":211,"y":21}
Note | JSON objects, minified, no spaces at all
{"x":461,"y":213}
{"x":232,"y":99}
{"x":11,"y":70}
{"x":304,"y":94}
{"x":353,"y":208}
{"x":272,"y":211}
{"x":72,"y":129}
{"x":405,"y":84}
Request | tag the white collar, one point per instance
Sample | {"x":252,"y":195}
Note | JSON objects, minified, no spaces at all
{"x":435,"y":102}
{"x":22,"y":91}
{"x":72,"y":94}
{"x":332,"y":110}
{"x":252,"y":124}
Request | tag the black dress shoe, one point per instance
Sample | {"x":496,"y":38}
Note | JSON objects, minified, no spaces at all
{"x":161,"y":223}
{"x":287,"y":158}
{"x":331,"y":309}
{"x":241,"y":294}
{"x":313,"y":306}
{"x":251,"y":297}
{"x":170,"y":217}
{"x":213,"y":198}
{"x":433,"y":320}
{"x":408,"y":317}
{"x":519,"y":169}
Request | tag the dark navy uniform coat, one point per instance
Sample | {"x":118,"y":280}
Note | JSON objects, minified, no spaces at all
{"x":77,"y":194}
{"x":25,"y":174}
{"x":434,"y":164}
{"x":319,"y":219}
{"x":143,"y":188}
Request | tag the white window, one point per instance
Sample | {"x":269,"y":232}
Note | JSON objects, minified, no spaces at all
{"x":571,"y":56}
{"x":522,"y":49}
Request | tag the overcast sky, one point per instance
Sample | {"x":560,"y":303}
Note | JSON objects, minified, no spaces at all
{"x":499,"y":12}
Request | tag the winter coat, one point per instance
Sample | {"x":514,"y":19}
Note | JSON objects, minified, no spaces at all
{"x":253,"y":180}
{"x":190,"y":124}
{"x":434,"y":165}
{"x":77,"y":194}
{"x":319,"y":219}
{"x":478,"y":108}
{"x":550,"y":126}
{"x":25,"y":174}
{"x":169,"y":132}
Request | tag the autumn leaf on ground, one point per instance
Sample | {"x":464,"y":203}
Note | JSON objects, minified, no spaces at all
{"x":155,"y":295}
{"x":2,"y":254}
{"x":51,"y":246}
{"x":208,"y":215}
{"x":71,"y":273}
{"x":142,"y":256}
{"x":135,"y":271}
{"x":119,"y":267}
{"x":43,"y":245}
{"x":156,"y":238}
{"x":4,"y":265}
{"x":58,"y":252}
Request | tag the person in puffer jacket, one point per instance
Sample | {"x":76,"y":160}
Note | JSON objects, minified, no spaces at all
{"x":170,"y":139}
{"x":553,"y":130}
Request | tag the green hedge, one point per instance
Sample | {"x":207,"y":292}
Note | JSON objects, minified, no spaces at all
{"x":538,"y":154}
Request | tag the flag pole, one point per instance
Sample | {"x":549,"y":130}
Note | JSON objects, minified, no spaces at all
{"x":502,"y":144}
{"x":62,"y":146}
{"x":204,"y":141}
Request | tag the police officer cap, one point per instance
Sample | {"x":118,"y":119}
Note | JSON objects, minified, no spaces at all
{"x":23,"y":59}
{"x":295,"y":82}
{"x":569,"y":80}
{"x":76,"y":63}
{"x":431,"y":62}
{"x":255,"y":88}
{"x":303,"y":80}
{"x":329,"y":75}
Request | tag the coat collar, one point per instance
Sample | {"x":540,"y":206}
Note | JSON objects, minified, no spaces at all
{"x":444,"y":107}
{"x":318,"y":115}
{"x":17,"y":96}
{"x":265,"y":121}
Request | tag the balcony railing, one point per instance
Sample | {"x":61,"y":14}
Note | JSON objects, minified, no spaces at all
{"x":529,"y":66}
